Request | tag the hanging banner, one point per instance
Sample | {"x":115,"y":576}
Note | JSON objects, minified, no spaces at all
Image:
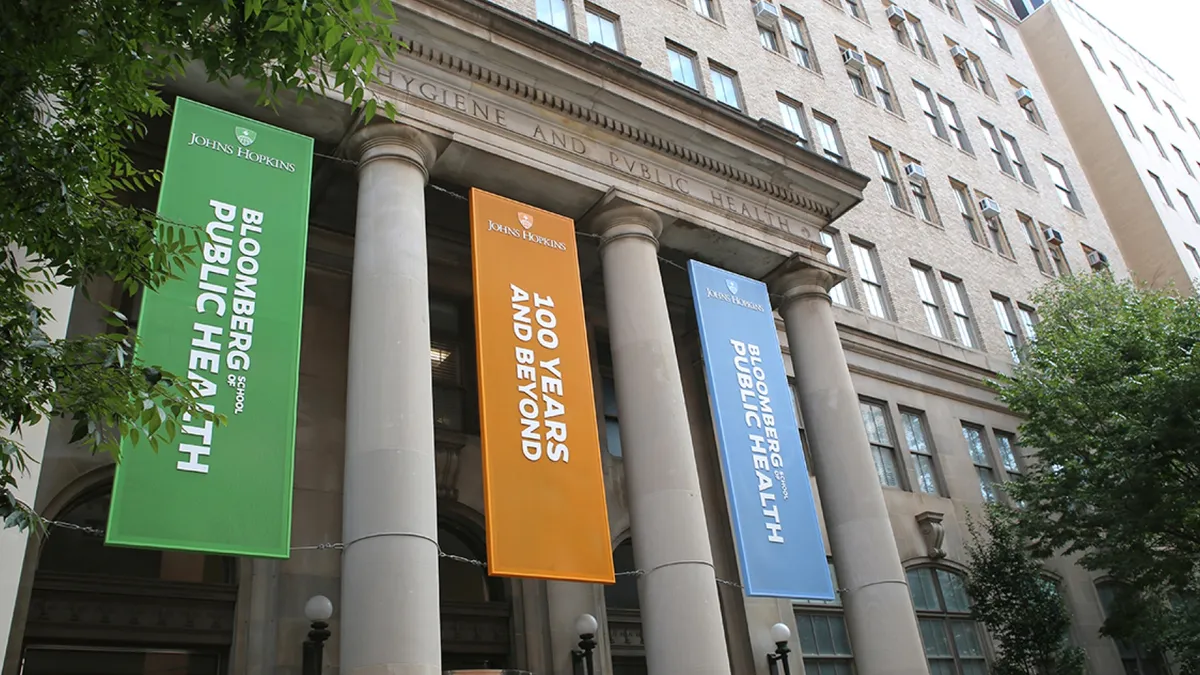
{"x":232,"y":324}
{"x":770,"y":499}
{"x":543,"y":485}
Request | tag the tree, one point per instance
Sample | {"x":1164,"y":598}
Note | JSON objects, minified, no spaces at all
{"x":1109,"y":393}
{"x":77,"y":82}
{"x":1020,"y":607}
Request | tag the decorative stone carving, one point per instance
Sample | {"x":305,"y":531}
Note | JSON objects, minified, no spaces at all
{"x":934,"y":533}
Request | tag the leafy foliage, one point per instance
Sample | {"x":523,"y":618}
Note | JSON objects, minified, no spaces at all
{"x":1023,"y":610}
{"x":78,"y":79}
{"x":1109,"y":390}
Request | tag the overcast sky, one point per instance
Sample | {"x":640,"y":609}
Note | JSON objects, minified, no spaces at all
{"x":1163,"y":30}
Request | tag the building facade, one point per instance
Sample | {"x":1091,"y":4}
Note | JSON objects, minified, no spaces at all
{"x":895,"y":173}
{"x":1136,"y":141}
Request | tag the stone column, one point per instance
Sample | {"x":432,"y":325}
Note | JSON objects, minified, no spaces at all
{"x":879,"y":611}
{"x":681,"y":615}
{"x":389,"y":606}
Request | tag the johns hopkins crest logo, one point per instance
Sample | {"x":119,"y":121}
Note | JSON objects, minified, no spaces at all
{"x":731,"y":285}
{"x":245,"y":136}
{"x":526,"y":220}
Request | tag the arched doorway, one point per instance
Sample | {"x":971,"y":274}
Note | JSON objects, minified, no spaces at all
{"x":101,"y":610}
{"x":476,"y":626}
{"x":625,"y":615}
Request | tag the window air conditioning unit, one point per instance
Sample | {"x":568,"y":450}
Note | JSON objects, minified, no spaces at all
{"x":766,"y":13}
{"x":854,"y":59}
{"x":1053,"y":236}
{"x":895,"y":15}
{"x":1097,"y":260}
{"x":959,"y":54}
{"x":989,"y":207}
{"x":915,"y":172}
{"x":1024,"y":96}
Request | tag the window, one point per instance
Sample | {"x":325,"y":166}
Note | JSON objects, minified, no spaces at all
{"x":1033,"y":115}
{"x":1034,"y":242}
{"x":992,"y":27}
{"x":827,"y":134}
{"x":1195,"y":129}
{"x":446,"y":349}
{"x":705,"y":8}
{"x":916,"y":434}
{"x":1029,"y":320}
{"x":683,"y":66}
{"x":821,"y":628}
{"x":956,"y":298}
{"x":866,"y":258}
{"x":1008,"y":321}
{"x":997,"y":235}
{"x":883,"y":448}
{"x":1157,"y":143}
{"x":1183,"y":160}
{"x":1024,"y":8}
{"x":796,"y":32}
{"x":1174,"y":115}
{"x":977,"y":448}
{"x":1162,"y":189}
{"x":1092,"y":53}
{"x":877,"y":73}
{"x":1121,"y":74}
{"x":920,"y":201}
{"x":952,"y":9}
{"x":1187,"y":201}
{"x":839,"y":293}
{"x":993,"y":140}
{"x":1128,"y":124}
{"x":1136,"y":659}
{"x":1006,"y":443}
{"x":929,"y":107}
{"x":612,"y":424}
{"x":900,"y":30}
{"x":966,"y":210}
{"x":952,"y":120}
{"x":768,"y":39}
{"x":602,"y":28}
{"x":921,"y":38}
{"x":555,"y":13}
{"x":981,"y":77}
{"x":1016,"y":158}
{"x":923,"y":276}
{"x":1195,"y":254}
{"x":952,"y":640}
{"x":1066,"y":193}
{"x":885,"y":163}
{"x":855,"y":9}
{"x":724,"y":82}
{"x":1149,"y":97}
{"x":1059,"y":258}
{"x":792,"y":114}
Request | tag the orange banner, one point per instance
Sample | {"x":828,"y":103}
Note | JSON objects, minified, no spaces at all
{"x":542,"y":480}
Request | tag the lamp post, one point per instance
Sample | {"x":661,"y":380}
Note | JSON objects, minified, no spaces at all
{"x":581,"y":659}
{"x":779,"y":635}
{"x":317,"y":610}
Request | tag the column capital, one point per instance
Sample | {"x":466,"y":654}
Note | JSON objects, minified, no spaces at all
{"x":390,"y":140}
{"x":801,"y":277}
{"x":626,"y":220}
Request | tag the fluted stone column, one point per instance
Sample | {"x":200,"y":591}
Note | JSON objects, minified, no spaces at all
{"x":681,"y":615}
{"x":389,"y":606}
{"x":879,"y":611}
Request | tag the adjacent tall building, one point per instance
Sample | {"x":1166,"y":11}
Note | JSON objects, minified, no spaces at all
{"x":1136,"y":141}
{"x":895,"y":171}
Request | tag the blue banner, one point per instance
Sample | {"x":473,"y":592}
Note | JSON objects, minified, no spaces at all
{"x":770,"y":499}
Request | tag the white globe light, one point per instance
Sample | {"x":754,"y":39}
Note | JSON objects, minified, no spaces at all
{"x":780,"y":633}
{"x":586,"y":624}
{"x":318,"y":608}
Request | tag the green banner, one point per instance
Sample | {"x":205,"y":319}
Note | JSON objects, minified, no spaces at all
{"x":232,"y":323}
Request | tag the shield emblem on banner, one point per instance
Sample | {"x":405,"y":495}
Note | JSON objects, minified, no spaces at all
{"x":245,"y":136}
{"x":731,"y":285}
{"x":526,"y":220}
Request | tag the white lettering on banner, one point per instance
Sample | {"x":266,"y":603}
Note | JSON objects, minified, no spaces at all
{"x":763,"y":435}
{"x":205,"y":354}
{"x":541,"y":385}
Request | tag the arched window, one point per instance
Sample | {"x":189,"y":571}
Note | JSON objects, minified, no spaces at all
{"x":1136,"y":658}
{"x":953,"y":640}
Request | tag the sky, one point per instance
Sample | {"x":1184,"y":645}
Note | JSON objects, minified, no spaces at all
{"x":1164,"y":30}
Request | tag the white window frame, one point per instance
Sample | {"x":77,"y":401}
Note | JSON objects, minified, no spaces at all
{"x":956,"y":300}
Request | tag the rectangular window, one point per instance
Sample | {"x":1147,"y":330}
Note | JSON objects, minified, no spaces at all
{"x":1174,"y":115}
{"x":704,"y":8}
{"x":1162,"y":189}
{"x":1016,"y":158}
{"x":855,"y":9}
{"x":1006,"y":443}
{"x":967,"y":210}
{"x":867,"y":261}
{"x":1187,"y":166}
{"x":824,"y":643}
{"x":900,"y":30}
{"x":920,"y":200}
{"x":952,"y":120}
{"x":839,"y":294}
{"x":1121,"y":74}
{"x":885,"y":163}
{"x":916,"y":434}
{"x":921,"y":38}
{"x":1034,"y":242}
{"x":1029,"y":320}
{"x":1195,"y":129}
{"x":555,"y":13}
{"x":446,"y":349}
{"x":724,"y":82}
{"x":981,"y":77}
{"x":1059,"y":258}
{"x":933,"y":121}
{"x":1008,"y":324}
{"x":602,"y":28}
{"x":796,"y":33}
{"x":827,"y":134}
{"x":858,"y":85}
{"x":992,"y":27}
{"x":683,"y":66}
{"x":1128,"y":123}
{"x":877,"y":73}
{"x":977,"y":448}
{"x":923,"y":276}
{"x":1157,"y":143}
{"x":956,"y":298}
{"x":997,"y":235}
{"x":993,"y":140}
{"x":952,"y":9}
{"x":768,"y":39}
{"x":1092,"y":53}
{"x":1066,"y":193}
{"x":792,"y":114}
{"x":1149,"y":97}
{"x":1195,"y":254}
{"x":883,"y":448}
{"x":1187,"y":201}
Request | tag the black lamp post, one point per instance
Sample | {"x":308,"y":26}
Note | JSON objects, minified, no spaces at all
{"x":581,"y":659}
{"x":779,"y":635}
{"x":318,"y":609}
